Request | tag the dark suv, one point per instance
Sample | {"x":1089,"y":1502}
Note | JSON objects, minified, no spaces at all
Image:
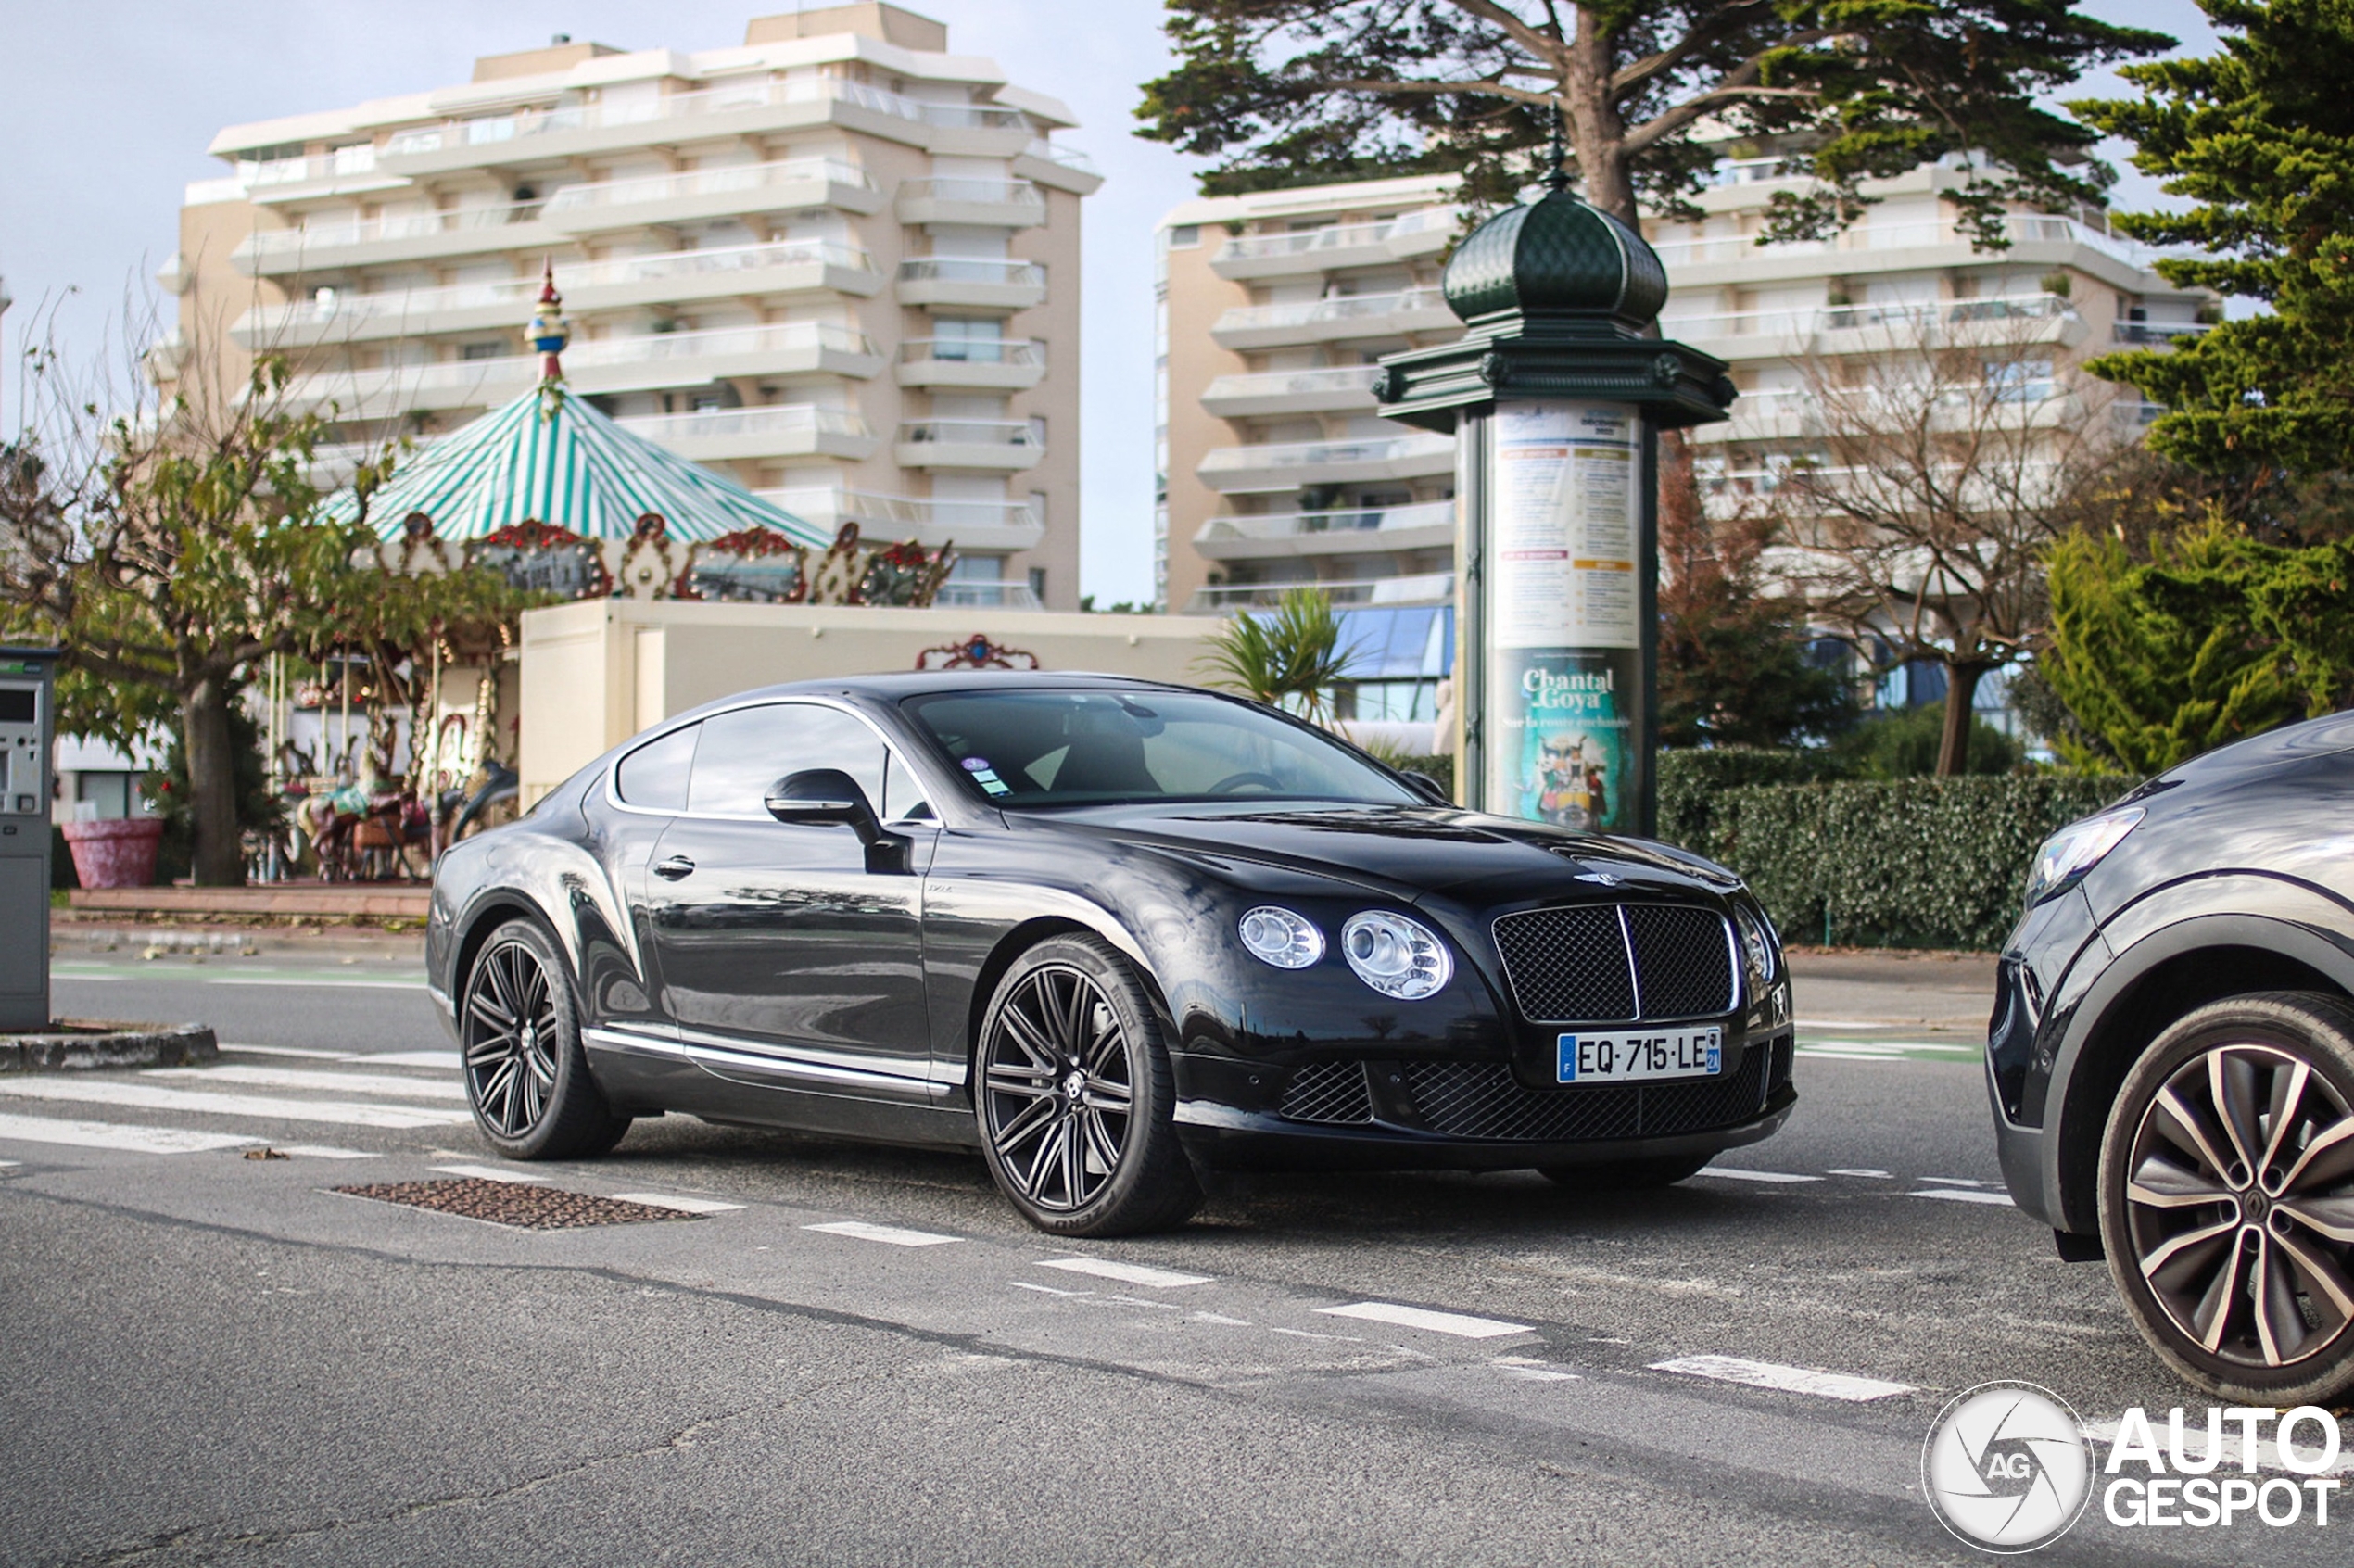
{"x":2171,"y":1059}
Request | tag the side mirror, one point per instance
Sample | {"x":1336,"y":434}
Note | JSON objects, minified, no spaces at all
{"x":1428,"y":786}
{"x":823,"y":797}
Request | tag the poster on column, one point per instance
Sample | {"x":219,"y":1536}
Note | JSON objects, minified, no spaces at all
{"x":1565,"y":679}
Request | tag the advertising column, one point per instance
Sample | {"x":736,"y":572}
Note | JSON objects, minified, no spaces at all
{"x":1565,"y":721}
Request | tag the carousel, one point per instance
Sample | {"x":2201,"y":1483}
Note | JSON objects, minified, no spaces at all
{"x":384,"y":754}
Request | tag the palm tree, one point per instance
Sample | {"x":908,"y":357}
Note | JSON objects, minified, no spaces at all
{"x":1289,"y":658}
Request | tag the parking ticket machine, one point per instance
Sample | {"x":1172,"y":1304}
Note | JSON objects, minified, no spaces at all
{"x":26,"y":732}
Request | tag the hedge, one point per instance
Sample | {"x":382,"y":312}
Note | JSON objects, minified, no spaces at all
{"x":1691,"y":782}
{"x":1915,"y":862}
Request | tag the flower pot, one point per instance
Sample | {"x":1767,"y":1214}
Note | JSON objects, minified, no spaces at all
{"x":118,"y":851}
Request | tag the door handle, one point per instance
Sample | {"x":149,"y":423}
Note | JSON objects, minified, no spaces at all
{"x":677,"y":865}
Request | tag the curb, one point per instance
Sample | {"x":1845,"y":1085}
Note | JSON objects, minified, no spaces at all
{"x":83,"y":1046}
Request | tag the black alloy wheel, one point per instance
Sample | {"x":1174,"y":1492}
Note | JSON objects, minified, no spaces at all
{"x":1074,"y":1094}
{"x":528,"y":1081}
{"x":2227,"y":1198}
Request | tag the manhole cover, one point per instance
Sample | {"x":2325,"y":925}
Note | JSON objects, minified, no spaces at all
{"x":514,"y":1203}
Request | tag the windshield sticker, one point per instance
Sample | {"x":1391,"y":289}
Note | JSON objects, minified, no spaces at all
{"x":989,"y":783}
{"x":976,"y":764}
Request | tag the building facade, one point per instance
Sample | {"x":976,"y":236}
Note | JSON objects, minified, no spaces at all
{"x":839,"y":263}
{"x":1275,"y":470}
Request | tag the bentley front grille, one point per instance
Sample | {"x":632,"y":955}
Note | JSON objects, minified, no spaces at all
{"x":1608,"y":963}
{"x":1329,"y":1092}
{"x":1483,"y":1100}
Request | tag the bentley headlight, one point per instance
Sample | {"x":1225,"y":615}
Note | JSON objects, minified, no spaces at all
{"x":2076,"y":849}
{"x":1759,"y":944}
{"x":1281,"y":938}
{"x":1396,"y":957}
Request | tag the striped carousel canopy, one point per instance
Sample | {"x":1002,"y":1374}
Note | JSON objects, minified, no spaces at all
{"x":549,"y":456}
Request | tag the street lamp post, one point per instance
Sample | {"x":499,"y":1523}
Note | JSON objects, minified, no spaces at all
{"x":1556,"y":393}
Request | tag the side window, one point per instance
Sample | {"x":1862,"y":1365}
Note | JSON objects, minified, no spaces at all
{"x":743,"y":752}
{"x":654,"y":776}
{"x":902,"y":796}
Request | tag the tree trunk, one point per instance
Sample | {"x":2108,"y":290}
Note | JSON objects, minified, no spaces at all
{"x":1597,"y":131}
{"x":1961,"y":701}
{"x":220,"y":859}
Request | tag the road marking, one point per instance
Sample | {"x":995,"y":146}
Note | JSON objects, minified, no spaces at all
{"x":314,"y":984}
{"x":295,"y":1077}
{"x":684,"y":1205}
{"x":292,"y":1051}
{"x":449,"y":1059}
{"x":1525,"y":1369}
{"x":1332,"y":1338}
{"x":861,"y":1231}
{"x":147,"y":1097}
{"x":9,"y":1164}
{"x":1846,"y":1023}
{"x":1046,"y":1290}
{"x":492,"y":1173}
{"x":1847,"y":1056}
{"x":1955,"y":1181}
{"x":1457,"y":1324}
{"x":1863,"y":1170}
{"x":1789,"y":1380}
{"x":108,"y":1136}
{"x":1126,"y":1274}
{"x":1737,"y":1173}
{"x":322,"y":1151}
{"x":1964,"y":1195}
{"x":1221,"y":1320}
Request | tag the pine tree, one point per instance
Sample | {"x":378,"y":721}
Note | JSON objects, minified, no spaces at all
{"x":2260,"y":138}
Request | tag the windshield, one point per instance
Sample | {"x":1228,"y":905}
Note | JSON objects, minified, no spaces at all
{"x":1090,"y":747}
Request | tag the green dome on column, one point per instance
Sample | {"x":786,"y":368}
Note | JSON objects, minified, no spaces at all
{"x":1555,"y":256}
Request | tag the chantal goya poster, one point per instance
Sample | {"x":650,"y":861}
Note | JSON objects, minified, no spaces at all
{"x":1564,"y":688}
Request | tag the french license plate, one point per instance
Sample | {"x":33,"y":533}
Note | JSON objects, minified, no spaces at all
{"x":1621,"y":1059}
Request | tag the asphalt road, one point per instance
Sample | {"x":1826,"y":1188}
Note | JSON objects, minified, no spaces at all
{"x":215,"y":1359}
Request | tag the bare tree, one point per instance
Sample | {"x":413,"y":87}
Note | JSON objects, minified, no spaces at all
{"x":167,"y":540}
{"x":1948,"y":453}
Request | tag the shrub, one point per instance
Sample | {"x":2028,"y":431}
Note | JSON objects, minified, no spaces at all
{"x":1690,"y":783}
{"x":1913,"y":863}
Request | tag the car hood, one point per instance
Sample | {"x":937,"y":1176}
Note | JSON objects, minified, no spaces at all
{"x":1408,"y":851}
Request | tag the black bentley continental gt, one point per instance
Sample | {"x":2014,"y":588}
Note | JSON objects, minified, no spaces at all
{"x":2171,"y":1060}
{"x":1109,"y":933}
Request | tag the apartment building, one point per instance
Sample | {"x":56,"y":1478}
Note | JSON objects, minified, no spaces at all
{"x":838,"y":262}
{"x":1275,"y":470}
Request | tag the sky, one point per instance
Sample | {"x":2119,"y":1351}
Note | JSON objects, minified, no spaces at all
{"x":107,"y":105}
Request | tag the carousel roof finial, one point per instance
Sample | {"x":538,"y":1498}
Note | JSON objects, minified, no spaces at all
{"x":549,"y":332}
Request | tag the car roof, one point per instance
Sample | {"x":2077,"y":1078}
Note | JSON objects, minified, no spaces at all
{"x":892,"y":687}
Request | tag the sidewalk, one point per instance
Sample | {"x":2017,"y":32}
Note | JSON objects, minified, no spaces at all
{"x":1916,"y":995}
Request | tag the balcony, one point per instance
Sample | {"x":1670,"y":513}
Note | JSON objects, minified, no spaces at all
{"x":1292,"y":464}
{"x":1012,"y":364}
{"x":1749,"y":335}
{"x":998,"y":445}
{"x":1305,"y":251}
{"x":970,"y":595}
{"x":785,"y":186}
{"x":971,"y":282}
{"x":735,"y":271}
{"x":741,"y":108}
{"x":1333,"y":389}
{"x":972,"y":525}
{"x":784,"y":430}
{"x":1065,"y":168}
{"x":1402,"y":314}
{"x":2154,"y":333}
{"x":419,"y":237}
{"x":1680,"y":256}
{"x":784,"y":350}
{"x":1354,"y":531}
{"x":341,"y":171}
{"x":1426,"y":587}
{"x":1004,"y":204}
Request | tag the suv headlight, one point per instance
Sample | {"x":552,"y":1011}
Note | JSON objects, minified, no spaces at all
{"x":2076,"y":849}
{"x":1760,"y":946}
{"x":1396,"y":957}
